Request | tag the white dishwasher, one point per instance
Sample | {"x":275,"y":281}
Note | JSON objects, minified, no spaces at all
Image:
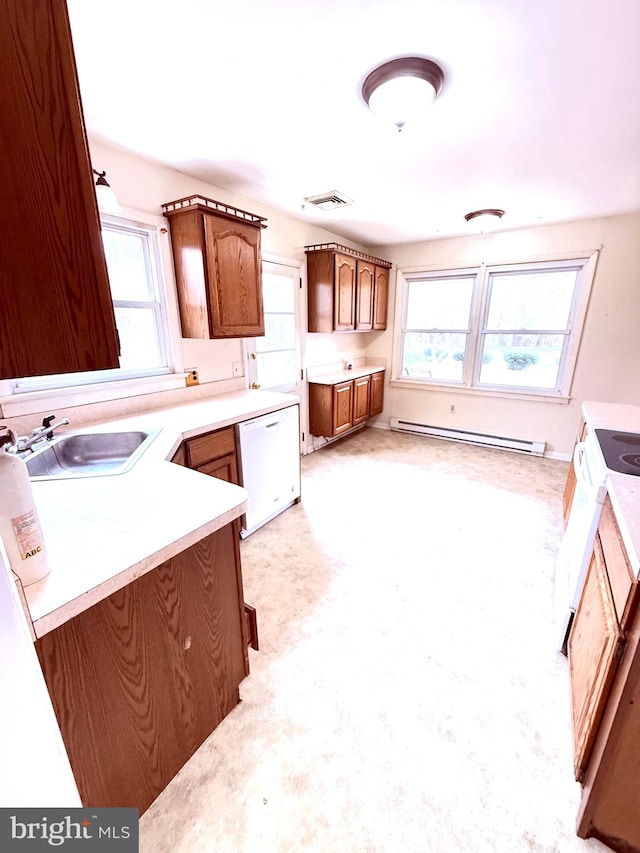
{"x":269,"y":465}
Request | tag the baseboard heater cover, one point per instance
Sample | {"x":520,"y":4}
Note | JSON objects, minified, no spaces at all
{"x":502,"y":442}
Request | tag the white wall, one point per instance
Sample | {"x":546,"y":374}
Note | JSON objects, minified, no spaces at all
{"x":609,"y":356}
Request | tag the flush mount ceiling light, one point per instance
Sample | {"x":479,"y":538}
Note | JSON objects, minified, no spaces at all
{"x":484,"y":220}
{"x":107,"y":201}
{"x":402,"y":89}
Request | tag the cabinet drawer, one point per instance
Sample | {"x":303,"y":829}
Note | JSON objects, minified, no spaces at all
{"x":211,"y":446}
{"x":623,"y":584}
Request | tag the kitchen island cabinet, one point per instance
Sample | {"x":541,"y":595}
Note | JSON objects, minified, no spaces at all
{"x":218,"y":265}
{"x":57,"y":313}
{"x":139,"y":680}
{"x":347,"y":290}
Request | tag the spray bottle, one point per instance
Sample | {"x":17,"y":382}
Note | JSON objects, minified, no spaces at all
{"x":20,"y":528}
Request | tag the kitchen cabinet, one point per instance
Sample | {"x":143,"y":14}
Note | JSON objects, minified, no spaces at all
{"x":336,"y":407}
{"x":376,"y":399}
{"x":139,"y":680}
{"x":380,"y":298}
{"x":218,"y":266}
{"x":57,"y":313}
{"x":361,"y":399}
{"x":604,"y":659}
{"x":214,"y":453}
{"x":347,"y":290}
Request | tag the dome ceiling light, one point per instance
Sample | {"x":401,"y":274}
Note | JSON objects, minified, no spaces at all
{"x":402,"y":89}
{"x":486,"y":219}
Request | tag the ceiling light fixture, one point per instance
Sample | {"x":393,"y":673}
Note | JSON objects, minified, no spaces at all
{"x":484,"y":220}
{"x":402,"y":89}
{"x":107,"y":201}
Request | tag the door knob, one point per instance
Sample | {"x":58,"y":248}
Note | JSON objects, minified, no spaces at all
{"x":252,"y":356}
{"x":255,"y":385}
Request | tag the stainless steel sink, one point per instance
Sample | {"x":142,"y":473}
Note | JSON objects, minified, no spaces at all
{"x":621,"y":450}
{"x":90,"y":454}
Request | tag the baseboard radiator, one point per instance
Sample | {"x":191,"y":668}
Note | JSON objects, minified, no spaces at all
{"x":501,"y":442}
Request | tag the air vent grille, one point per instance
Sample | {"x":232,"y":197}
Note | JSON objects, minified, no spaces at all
{"x":329,"y":200}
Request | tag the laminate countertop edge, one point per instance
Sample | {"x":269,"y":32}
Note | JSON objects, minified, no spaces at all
{"x":102,"y":533}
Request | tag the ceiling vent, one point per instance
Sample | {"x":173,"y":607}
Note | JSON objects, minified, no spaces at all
{"x":329,"y":201}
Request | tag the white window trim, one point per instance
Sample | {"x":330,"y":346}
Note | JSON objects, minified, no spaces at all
{"x":566,"y":370}
{"x":22,"y":400}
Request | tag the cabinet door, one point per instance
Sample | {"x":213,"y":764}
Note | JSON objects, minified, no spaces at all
{"x":225,"y":468}
{"x":364,"y":295}
{"x":342,"y":407}
{"x":594,"y":649}
{"x":376,"y":403}
{"x":344,"y":293}
{"x":361,"y":394}
{"x":140,"y":679}
{"x":57,"y":314}
{"x":380,"y":298}
{"x":234,"y":271}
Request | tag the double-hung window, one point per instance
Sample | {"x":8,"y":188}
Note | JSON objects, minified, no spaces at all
{"x":132,"y":256}
{"x":512,"y":328}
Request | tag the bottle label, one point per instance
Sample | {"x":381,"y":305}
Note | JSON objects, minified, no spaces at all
{"x":28,"y":534}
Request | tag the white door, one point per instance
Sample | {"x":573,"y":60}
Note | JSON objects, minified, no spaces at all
{"x":275,"y":360}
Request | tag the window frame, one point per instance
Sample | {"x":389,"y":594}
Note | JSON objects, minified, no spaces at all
{"x":584,"y":262}
{"x":114,"y":377}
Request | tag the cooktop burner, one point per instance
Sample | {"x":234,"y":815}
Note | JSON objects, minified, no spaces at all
{"x":621,"y":450}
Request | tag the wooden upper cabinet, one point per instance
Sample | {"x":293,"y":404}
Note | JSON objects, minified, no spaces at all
{"x":57,"y":313}
{"x":364,"y":297}
{"x":380,"y":298}
{"x":218,"y":265}
{"x":342,"y":286}
{"x":345,"y":293}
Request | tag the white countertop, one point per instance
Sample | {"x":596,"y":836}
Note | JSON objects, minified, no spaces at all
{"x":623,"y":489}
{"x":104,"y":532}
{"x":338,"y":376}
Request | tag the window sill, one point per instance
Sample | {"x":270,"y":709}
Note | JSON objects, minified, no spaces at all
{"x":32,"y":402}
{"x":417,"y":385}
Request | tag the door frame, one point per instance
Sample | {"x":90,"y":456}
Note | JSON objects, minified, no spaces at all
{"x":249,"y":344}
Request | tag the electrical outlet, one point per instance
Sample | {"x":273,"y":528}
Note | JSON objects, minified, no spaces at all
{"x":192,"y":376}
{"x":236,"y":368}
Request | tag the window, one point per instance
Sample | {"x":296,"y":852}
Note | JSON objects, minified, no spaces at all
{"x":131,"y":253}
{"x":512,"y":328}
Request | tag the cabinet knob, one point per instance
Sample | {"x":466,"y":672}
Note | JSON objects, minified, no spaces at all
{"x":255,"y":385}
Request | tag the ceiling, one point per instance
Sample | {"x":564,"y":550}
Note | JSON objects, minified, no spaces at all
{"x":539,"y":113}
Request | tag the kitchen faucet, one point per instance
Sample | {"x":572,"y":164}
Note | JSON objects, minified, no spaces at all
{"x":39,"y":434}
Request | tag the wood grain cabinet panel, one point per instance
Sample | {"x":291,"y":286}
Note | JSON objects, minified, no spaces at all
{"x":218,"y":264}
{"x":380,"y":298}
{"x":347,"y":290}
{"x":377,"y":394}
{"x":361,"y":398}
{"x":594,"y":649}
{"x":337,"y":408}
{"x":364,"y":295}
{"x":140,"y":679}
{"x":57,"y":313}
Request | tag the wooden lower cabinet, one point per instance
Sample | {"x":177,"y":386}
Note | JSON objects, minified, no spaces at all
{"x":361,"y":398}
{"x":140,"y":679}
{"x":335,"y":409}
{"x":604,"y":658}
